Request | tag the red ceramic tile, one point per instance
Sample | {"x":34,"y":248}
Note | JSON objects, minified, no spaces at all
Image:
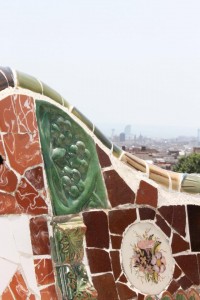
{"x":23,"y":150}
{"x":188,"y":264}
{"x":105,"y":286}
{"x":175,"y":215}
{"x":9,"y":205}
{"x":163,"y":225}
{"x":177,"y":272}
{"x":185,"y":283}
{"x":120,"y":219}
{"x":8,"y":179}
{"x":103,"y":157}
{"x":123,"y":278}
{"x":49,"y":293}
{"x":39,"y":236}
{"x":29,"y":199}
{"x":18,"y":287}
{"x":146,"y":213}
{"x":140,"y":297}
{"x":116,"y":241}
{"x":44,"y":271}
{"x":115,"y":262}
{"x":118,"y":191}
{"x":97,"y":229}
{"x":7,"y":295}
{"x":8,"y":120}
{"x":179,"y":244}
{"x":99,"y":260}
{"x":147,"y":194}
{"x":35,"y":177}
{"x":32,"y":297}
{"x":124,"y":292}
{"x":173,"y":287}
{"x":2,"y":150}
{"x":25,"y":112}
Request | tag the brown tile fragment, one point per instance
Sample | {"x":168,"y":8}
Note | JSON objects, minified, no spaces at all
{"x":124,"y":292}
{"x":120,"y":219}
{"x":39,"y":236}
{"x":103,"y":157}
{"x":105,"y":286}
{"x":18,"y":287}
{"x":185,"y":283}
{"x":177,"y":272}
{"x":163,"y":225}
{"x":179,"y":244}
{"x":118,"y":191}
{"x":147,"y":194}
{"x":115,"y":261}
{"x":175,"y":216}
{"x":173,"y":287}
{"x":99,"y":260}
{"x":188,"y":264}
{"x":146,"y":213}
{"x":140,"y":297}
{"x":123,"y":278}
{"x":116,"y":241}
{"x":7,"y":295}
{"x":97,"y":229}
{"x":35,"y":177}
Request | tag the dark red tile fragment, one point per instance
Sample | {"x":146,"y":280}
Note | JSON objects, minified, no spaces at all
{"x":103,"y":157}
{"x":99,"y":260}
{"x":97,"y":229}
{"x":116,"y":241}
{"x":185,"y":283}
{"x":6,"y":78}
{"x":175,"y":215}
{"x":173,"y":287}
{"x":163,"y":225}
{"x":115,"y":261}
{"x":120,"y":219}
{"x":177,"y":272}
{"x":140,"y":297}
{"x":146,"y":213}
{"x":147,"y":194}
{"x":105,"y":286}
{"x":39,"y":236}
{"x":124,"y":292}
{"x":35,"y":177}
{"x":188,"y":264}
{"x":118,"y":191}
{"x":179,"y":244}
{"x":194,"y":226}
{"x":123,"y":278}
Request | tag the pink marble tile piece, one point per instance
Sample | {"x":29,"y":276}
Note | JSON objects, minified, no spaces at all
{"x":39,"y":236}
{"x":23,"y":151}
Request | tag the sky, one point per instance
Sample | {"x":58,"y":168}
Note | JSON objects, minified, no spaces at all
{"x":118,"y":61}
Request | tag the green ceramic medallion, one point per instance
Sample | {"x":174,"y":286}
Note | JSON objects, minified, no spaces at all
{"x":71,"y":162}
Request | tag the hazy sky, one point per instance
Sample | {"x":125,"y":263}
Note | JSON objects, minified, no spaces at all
{"x":120,"y":62}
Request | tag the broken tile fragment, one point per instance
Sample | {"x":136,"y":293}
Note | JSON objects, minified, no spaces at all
{"x":119,"y":192}
{"x":35,"y":177}
{"x":116,"y":265}
{"x":99,"y":260}
{"x":120,"y":219}
{"x":105,"y":286}
{"x":39,"y":236}
{"x":179,"y":244}
{"x":185,"y":262}
{"x":103,"y":157}
{"x":147,"y":194}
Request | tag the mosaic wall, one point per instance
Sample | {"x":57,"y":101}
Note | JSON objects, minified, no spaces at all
{"x":80,"y":218}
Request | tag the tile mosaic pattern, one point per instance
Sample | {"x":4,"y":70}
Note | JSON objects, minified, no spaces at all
{"x":50,"y":249}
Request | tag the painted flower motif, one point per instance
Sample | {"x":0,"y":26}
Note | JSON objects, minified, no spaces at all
{"x":148,"y":260}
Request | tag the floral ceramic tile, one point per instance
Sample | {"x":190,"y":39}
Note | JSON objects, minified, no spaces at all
{"x":146,"y":258}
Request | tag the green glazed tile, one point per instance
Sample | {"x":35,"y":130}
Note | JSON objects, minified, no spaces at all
{"x":117,"y":151}
{"x":28,"y":82}
{"x":102,"y":138}
{"x":51,"y":93}
{"x":81,"y":117}
{"x":71,"y":163}
{"x":190,"y":183}
{"x":65,"y":103}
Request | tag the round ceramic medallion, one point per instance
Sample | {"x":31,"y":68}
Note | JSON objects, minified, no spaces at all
{"x":146,"y":258}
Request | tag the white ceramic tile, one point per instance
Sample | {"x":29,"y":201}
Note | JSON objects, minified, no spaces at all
{"x":7,"y":270}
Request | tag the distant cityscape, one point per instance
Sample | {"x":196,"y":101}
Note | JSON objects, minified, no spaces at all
{"x":163,"y":152}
